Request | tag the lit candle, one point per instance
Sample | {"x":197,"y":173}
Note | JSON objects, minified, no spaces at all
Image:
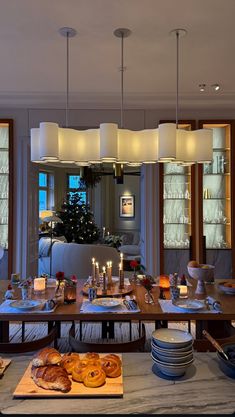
{"x":103,"y":232}
{"x":93,"y":271}
{"x":109,"y":273}
{"x":183,"y":290}
{"x":39,"y":284}
{"x":108,"y":233}
{"x":97,"y":274}
{"x":121,"y":258}
{"x":121,"y":277}
{"x":104,"y":281}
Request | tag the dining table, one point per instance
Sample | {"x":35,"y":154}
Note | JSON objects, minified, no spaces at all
{"x":146,"y":312}
{"x":203,"y":389}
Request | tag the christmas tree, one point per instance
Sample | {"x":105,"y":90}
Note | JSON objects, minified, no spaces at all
{"x":78,"y":222}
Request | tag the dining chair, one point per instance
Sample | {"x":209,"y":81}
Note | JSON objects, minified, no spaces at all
{"x":87,"y":346}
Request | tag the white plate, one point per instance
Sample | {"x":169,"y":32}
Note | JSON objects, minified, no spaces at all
{"x":226,"y":290}
{"x":171,"y":338}
{"x":189,"y":305}
{"x":107,"y":302}
{"x":26,"y":304}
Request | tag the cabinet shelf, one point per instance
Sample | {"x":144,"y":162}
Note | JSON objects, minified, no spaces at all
{"x":221,"y":149}
{"x":178,"y":223}
{"x":222,"y":173}
{"x":182,"y":175}
{"x":222,"y":224}
{"x":182,"y":199}
{"x":216,"y":198}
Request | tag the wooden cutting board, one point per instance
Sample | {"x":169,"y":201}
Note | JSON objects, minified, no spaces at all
{"x":27,"y":388}
{"x":6,"y":363}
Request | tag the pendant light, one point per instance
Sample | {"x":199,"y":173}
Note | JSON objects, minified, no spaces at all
{"x":178,"y":145}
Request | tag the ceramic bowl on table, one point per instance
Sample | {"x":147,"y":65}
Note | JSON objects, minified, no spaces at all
{"x":228,"y":366}
{"x":227,"y":287}
{"x":170,"y":359}
{"x":172,"y":352}
{"x":204,"y":272}
{"x":172,"y":369}
{"x":171,"y":338}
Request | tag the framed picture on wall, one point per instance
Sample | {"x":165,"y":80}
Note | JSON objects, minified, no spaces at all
{"x":127,"y":206}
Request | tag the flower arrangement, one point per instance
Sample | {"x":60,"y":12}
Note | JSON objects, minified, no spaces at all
{"x":137,"y":266}
{"x":72,"y":281}
{"x":147,"y":282}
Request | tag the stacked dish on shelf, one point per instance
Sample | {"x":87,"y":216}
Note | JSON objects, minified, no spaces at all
{"x":172,"y":351}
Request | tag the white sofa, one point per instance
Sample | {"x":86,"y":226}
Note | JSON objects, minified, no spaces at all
{"x":130,"y":245}
{"x":75,"y":258}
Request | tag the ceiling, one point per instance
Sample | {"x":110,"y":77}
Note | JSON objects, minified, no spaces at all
{"x":33,"y":54}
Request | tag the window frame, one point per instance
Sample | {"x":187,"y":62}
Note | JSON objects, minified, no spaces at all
{"x":75,"y":190}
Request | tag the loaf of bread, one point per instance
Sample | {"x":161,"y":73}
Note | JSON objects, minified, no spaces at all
{"x":51,"y":377}
{"x":47,"y":356}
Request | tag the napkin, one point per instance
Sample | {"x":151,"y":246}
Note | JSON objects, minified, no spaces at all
{"x":213,"y":303}
{"x":168,"y":307}
{"x":88,"y":307}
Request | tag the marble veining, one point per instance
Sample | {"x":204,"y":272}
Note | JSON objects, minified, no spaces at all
{"x":203,"y":389}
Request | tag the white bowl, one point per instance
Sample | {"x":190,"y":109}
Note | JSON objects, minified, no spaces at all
{"x":202,"y":274}
{"x":172,"y":338}
{"x":172,"y":370}
{"x":172,"y":359}
{"x":173,"y":351}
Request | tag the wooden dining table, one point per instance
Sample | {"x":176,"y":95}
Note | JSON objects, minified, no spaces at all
{"x":148,"y":312}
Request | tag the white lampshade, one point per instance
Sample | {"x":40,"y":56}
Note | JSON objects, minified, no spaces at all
{"x":195,"y":145}
{"x":138,"y":147}
{"x":49,"y":141}
{"x":67,"y":145}
{"x":167,"y":142}
{"x":108,"y":142}
{"x":34,"y":144}
{"x":53,"y":219}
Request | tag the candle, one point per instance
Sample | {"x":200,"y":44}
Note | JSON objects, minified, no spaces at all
{"x":121,"y":258}
{"x":93,"y":271}
{"x":183,"y":290}
{"x":103,"y":232}
{"x":97,"y":274}
{"x":108,"y":233}
{"x":39,"y":284}
{"x":121,"y":277}
{"x":104,"y":281}
{"x":109,"y":273}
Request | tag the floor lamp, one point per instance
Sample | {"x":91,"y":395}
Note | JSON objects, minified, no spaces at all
{"x":52,"y":220}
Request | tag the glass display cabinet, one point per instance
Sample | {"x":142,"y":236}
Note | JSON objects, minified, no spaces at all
{"x":176,"y":213}
{"x":216,"y":202}
{"x":6,"y":195}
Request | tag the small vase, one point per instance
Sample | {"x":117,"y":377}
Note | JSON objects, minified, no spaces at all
{"x":148,"y":298}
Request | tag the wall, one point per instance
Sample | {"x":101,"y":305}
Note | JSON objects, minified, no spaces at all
{"x":25,"y":199}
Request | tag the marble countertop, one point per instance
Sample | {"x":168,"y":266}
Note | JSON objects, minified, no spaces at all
{"x":204,"y":389}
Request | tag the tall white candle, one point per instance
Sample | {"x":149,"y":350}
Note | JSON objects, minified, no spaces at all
{"x":121,"y":258}
{"x":97,"y":274}
{"x":39,"y":284}
{"x":109,"y":273}
{"x":103,"y":232}
{"x":93,"y":270}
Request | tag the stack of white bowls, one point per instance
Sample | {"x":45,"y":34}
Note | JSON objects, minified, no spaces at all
{"x":172,"y":351}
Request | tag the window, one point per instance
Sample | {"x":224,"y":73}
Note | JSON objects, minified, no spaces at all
{"x":75,"y":185}
{"x":46,"y":190}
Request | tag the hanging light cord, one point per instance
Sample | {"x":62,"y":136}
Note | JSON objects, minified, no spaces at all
{"x":122,"y":70}
{"x":177,"y":77}
{"x":67,"y":81}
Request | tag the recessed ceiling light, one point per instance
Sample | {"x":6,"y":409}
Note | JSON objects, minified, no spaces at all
{"x":216,"y":87}
{"x":202,"y":87}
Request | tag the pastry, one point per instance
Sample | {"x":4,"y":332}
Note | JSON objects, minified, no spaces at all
{"x":115,"y":357}
{"x":47,"y":356}
{"x":111,"y":366}
{"x":94,"y":376}
{"x":78,"y":372}
{"x":51,"y":377}
{"x":1,"y":362}
{"x":92,"y":355}
{"x":69,"y":360}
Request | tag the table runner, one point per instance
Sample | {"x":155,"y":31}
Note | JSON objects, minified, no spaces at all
{"x":168,"y":307}
{"x":87,"y":307}
{"x":6,"y":308}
